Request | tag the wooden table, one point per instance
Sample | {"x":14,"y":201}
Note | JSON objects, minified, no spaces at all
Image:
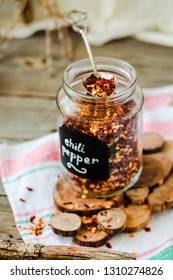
{"x":27,"y":93}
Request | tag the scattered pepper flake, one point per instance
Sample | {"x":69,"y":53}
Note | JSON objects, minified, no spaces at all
{"x":23,"y":200}
{"x":30,"y":189}
{"x":93,"y":230}
{"x":32,"y":219}
{"x":68,"y":202}
{"x":86,"y":205}
{"x":108,"y":245}
{"x":37,"y":227}
{"x":147,"y":229}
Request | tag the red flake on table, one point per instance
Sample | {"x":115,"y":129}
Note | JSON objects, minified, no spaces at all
{"x":108,"y":245}
{"x":147,"y":229}
{"x":21,"y":199}
{"x":29,"y":189}
{"x":32,"y":219}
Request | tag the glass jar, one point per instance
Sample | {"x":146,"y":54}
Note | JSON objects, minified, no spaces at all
{"x":100,"y":138}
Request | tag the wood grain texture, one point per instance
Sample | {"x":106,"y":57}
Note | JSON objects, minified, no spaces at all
{"x":7,"y":224}
{"x":153,"y":64}
{"x":18,"y":250}
{"x":27,"y":118}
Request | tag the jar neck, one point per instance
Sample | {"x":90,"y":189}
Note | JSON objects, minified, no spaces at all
{"x":77,"y":71}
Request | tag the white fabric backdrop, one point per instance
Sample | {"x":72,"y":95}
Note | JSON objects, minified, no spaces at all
{"x":149,"y":20}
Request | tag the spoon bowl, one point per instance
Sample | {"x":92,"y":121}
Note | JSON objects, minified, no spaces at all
{"x":100,"y":84}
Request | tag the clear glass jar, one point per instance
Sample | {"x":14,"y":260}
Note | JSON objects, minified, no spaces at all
{"x":100,"y":138}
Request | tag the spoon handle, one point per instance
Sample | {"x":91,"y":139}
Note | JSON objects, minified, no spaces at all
{"x":77,"y":19}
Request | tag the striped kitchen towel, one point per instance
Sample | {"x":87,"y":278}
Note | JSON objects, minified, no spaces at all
{"x":29,"y":170}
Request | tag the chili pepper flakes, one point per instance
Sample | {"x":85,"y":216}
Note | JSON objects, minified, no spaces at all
{"x":22,"y":200}
{"x":100,"y":87}
{"x":120,"y":133}
{"x":29,"y":189}
{"x":108,"y":245}
{"x":37,"y":227}
{"x":147,"y":229}
{"x":32,"y":219}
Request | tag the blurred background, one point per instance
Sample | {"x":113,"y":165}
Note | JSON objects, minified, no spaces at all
{"x":149,"y":21}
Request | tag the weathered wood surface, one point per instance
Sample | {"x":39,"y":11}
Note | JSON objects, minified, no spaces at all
{"x":27,"y":93}
{"x":19,"y":250}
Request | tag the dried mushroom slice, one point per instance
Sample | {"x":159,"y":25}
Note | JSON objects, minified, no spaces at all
{"x":91,"y":237}
{"x":156,"y":167}
{"x":138,"y":216}
{"x":68,"y":200}
{"x":161,"y":198}
{"x":65,"y":224}
{"x":152,"y":142}
{"x":137,"y":196}
{"x":112,"y":220}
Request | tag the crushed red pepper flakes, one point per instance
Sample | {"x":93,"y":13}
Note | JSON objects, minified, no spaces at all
{"x":66,"y":203}
{"x":32,"y":219}
{"x":147,"y":229}
{"x":100,"y":86}
{"x":86,"y":205}
{"x":30,"y":189}
{"x":36,"y":228}
{"x":108,"y":245}
{"x":131,"y":235}
{"x":23,"y":200}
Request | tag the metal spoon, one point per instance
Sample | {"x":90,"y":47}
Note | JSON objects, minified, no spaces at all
{"x":77,"y":19}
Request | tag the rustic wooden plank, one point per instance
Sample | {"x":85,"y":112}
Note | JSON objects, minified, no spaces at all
{"x":2,"y":191}
{"x":18,"y":250}
{"x":152,"y":62}
{"x":26,"y":118}
{"x":7,"y":224}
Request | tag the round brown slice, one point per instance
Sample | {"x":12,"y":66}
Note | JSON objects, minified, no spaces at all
{"x":168,"y":150}
{"x":161,"y":198}
{"x":138,"y":216}
{"x":138,"y":195}
{"x":92,"y":237}
{"x":112,"y":220}
{"x":152,"y":142}
{"x":65,"y":224}
{"x":156,"y":167}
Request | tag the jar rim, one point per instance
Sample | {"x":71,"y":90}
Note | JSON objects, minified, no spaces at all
{"x":105,"y":61}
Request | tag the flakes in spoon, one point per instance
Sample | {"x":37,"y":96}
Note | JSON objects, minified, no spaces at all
{"x":100,"y":86}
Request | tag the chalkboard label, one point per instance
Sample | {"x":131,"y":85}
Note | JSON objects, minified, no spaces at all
{"x":83,"y":155}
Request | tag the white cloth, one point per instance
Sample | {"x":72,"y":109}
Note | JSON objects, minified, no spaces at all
{"x":149,"y":20}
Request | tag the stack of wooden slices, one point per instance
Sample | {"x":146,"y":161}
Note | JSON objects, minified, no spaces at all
{"x":93,"y":221}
